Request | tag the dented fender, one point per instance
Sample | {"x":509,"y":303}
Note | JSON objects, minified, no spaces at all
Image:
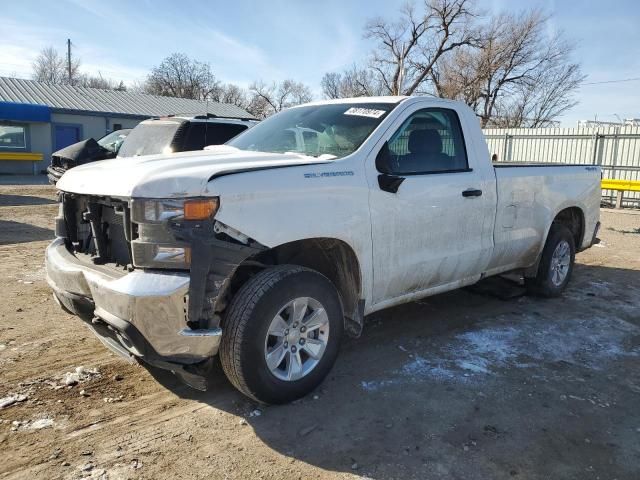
{"x":216,"y":259}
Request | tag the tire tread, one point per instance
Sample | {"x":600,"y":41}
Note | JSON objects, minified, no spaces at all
{"x":539,"y":285}
{"x":238,"y":316}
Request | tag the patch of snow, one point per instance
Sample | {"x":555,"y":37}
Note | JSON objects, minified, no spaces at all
{"x":80,"y":375}
{"x":39,"y":424}
{"x":375,"y":385}
{"x":11,"y":399}
{"x":421,"y":367}
{"x":113,"y":399}
{"x":474,"y":367}
{"x":532,"y":342}
{"x":495,"y":344}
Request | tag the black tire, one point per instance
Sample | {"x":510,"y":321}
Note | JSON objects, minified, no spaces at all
{"x":542,"y":284}
{"x":247,"y":321}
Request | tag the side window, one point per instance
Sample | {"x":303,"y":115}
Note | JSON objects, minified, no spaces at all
{"x":13,"y":136}
{"x":429,"y":141}
{"x":219,"y":133}
{"x":195,"y":138}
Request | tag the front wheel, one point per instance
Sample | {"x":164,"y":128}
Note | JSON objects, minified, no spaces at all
{"x":556,"y":264}
{"x":281,"y":334}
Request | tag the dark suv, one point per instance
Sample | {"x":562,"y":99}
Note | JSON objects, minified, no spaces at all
{"x":181,"y":133}
{"x":176,"y":133}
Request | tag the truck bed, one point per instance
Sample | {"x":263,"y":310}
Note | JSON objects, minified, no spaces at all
{"x":529,"y":197}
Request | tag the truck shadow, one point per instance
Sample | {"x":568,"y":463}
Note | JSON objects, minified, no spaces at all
{"x":20,"y":200}
{"x":15,"y":232}
{"x":464,"y":385}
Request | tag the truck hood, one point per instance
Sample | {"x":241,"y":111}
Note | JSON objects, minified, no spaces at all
{"x":183,"y":174}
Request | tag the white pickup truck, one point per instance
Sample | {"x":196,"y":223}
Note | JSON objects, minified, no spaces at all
{"x":265,"y":250}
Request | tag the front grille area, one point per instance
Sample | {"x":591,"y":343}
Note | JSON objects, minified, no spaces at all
{"x":97,"y":227}
{"x":116,"y":242}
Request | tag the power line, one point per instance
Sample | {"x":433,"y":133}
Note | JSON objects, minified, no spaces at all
{"x":635,"y":79}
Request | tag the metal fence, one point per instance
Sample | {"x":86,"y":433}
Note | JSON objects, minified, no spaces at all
{"x":616,"y":149}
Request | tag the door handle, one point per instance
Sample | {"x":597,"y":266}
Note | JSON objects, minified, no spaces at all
{"x":472,"y":193}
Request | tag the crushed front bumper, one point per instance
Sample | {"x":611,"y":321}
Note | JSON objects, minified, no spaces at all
{"x":54,"y":174}
{"x":139,"y":315}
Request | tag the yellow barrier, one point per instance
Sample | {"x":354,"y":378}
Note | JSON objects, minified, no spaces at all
{"x":625,"y":185}
{"x":620,"y":186}
{"x":30,"y":157}
{"x":23,"y":156}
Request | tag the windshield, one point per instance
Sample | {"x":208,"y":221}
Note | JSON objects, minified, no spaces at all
{"x":150,"y":138}
{"x":113,"y":140}
{"x":331,"y":129}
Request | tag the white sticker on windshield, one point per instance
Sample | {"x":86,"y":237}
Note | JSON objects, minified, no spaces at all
{"x":365,"y":112}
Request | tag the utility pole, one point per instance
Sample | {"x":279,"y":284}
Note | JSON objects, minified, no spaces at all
{"x":69,"y":58}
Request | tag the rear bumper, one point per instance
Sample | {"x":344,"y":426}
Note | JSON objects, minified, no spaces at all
{"x":594,"y":240}
{"x":140,"y":314}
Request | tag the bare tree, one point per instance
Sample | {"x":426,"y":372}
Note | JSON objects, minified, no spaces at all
{"x":508,"y":68}
{"x":538,"y":102}
{"x":353,"y":82}
{"x":407,"y":50}
{"x":98,"y":81}
{"x":51,"y":68}
{"x":179,"y":76}
{"x":267,"y":99}
{"x":231,"y":93}
{"x":331,"y":84}
{"x":521,"y":75}
{"x":550,"y":97}
{"x":138,"y":86}
{"x":457,"y":77}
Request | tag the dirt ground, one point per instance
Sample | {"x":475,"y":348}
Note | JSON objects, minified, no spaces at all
{"x":459,"y":386}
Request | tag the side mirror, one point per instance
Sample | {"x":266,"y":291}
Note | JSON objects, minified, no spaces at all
{"x":383,"y":159}
{"x":387,"y":181}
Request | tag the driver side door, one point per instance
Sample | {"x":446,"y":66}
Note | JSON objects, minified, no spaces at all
{"x":435,"y":231}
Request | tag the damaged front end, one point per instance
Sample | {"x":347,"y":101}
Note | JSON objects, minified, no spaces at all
{"x":79,"y":153}
{"x":148,"y":276}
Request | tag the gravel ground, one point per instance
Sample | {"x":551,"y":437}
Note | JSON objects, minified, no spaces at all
{"x":462,"y":385}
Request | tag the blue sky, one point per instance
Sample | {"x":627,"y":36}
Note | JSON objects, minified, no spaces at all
{"x":277,"y":39}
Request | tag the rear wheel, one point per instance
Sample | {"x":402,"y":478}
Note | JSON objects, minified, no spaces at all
{"x":556,"y":264}
{"x":281,"y":334}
